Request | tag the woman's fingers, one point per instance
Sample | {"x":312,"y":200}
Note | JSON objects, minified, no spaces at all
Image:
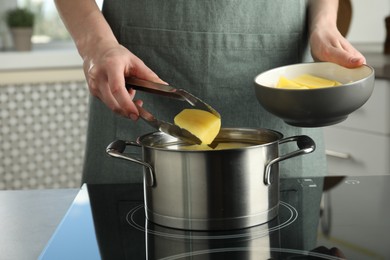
{"x":345,"y":54}
{"x":329,"y":45}
{"x":117,"y":86}
{"x":345,"y":58}
{"x":141,"y":71}
{"x":99,"y":87}
{"x":106,"y":74}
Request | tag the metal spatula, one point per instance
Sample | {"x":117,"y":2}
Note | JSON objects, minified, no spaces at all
{"x":170,"y":92}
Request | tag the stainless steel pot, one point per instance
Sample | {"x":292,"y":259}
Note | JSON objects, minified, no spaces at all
{"x":212,"y":189}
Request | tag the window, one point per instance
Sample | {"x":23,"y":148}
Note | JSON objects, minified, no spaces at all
{"x":48,"y":27}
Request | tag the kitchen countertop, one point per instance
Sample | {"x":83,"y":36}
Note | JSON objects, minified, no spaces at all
{"x":28,"y":218}
{"x":25,"y":230}
{"x":380,"y":62}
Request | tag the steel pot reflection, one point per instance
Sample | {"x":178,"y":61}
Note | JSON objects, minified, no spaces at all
{"x":247,"y":244}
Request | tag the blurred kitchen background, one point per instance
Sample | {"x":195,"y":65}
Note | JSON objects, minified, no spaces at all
{"x":43,"y":102}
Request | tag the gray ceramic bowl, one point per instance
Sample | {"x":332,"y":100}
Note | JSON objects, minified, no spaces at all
{"x":315,"y":107}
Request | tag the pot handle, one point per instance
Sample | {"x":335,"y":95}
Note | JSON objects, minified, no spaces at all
{"x":305,"y":144}
{"x":116,"y":149}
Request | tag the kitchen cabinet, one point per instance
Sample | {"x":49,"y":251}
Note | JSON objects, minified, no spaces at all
{"x":361,"y":144}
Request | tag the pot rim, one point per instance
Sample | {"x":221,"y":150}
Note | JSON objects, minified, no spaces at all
{"x":162,"y":141}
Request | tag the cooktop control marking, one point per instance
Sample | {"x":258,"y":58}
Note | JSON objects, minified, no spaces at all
{"x":352,"y":182}
{"x":308,"y":183}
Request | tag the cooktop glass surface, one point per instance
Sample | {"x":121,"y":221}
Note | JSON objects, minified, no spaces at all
{"x":319,"y":218}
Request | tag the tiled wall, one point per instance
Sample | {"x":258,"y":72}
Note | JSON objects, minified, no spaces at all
{"x":42,"y":135}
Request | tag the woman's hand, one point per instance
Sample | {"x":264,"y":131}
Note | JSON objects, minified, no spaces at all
{"x":106,"y":62}
{"x":326,"y":42}
{"x":106,"y":67}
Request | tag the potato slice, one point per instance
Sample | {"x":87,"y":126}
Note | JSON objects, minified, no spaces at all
{"x":311,"y":81}
{"x":200,"y":123}
{"x":305,"y":81}
{"x":289,"y":84}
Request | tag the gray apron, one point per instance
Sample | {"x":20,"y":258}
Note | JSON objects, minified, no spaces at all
{"x":214,"y":49}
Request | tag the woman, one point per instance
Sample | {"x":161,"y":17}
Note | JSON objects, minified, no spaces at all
{"x":212,"y":48}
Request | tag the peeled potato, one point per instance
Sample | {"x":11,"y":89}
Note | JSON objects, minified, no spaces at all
{"x":200,"y":123}
{"x":306,"y":81}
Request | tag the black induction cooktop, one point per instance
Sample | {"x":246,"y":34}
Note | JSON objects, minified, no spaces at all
{"x":319,"y":218}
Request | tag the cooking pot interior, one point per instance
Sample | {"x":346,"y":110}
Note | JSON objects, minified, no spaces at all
{"x":242,"y":137}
